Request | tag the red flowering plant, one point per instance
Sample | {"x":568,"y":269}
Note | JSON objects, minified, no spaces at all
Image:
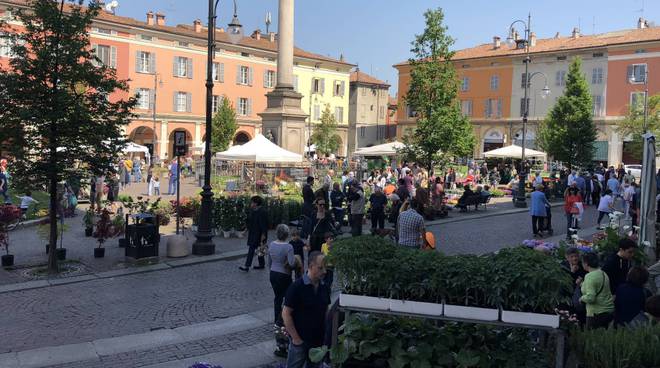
{"x":8,"y":214}
{"x":103,"y":227}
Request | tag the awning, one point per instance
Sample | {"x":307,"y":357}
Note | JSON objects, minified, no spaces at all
{"x":386,"y":149}
{"x":259,"y":150}
{"x":514,"y":151}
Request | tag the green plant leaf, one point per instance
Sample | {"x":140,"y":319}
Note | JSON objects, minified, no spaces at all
{"x":316,"y":355}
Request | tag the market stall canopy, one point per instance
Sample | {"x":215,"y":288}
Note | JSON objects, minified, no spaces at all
{"x":131,"y":147}
{"x":513,"y":151}
{"x":386,"y":149}
{"x":259,"y":150}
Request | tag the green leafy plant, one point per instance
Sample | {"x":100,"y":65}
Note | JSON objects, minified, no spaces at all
{"x":89,"y":218}
{"x":618,"y":348}
{"x":407,"y":342}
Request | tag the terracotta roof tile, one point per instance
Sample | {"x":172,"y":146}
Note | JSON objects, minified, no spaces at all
{"x":621,"y":37}
{"x":185,"y":30}
{"x":362,"y":77}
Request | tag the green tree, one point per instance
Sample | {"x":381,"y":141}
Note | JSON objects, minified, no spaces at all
{"x":442,"y":131}
{"x":568,"y":132}
{"x":224,"y":126}
{"x":59,"y":118}
{"x":633,"y":125}
{"x":324,"y":136}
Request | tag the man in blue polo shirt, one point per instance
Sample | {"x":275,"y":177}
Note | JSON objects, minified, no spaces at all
{"x":305,"y":308}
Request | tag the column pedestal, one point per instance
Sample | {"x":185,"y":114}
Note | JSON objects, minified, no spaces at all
{"x":284,"y":119}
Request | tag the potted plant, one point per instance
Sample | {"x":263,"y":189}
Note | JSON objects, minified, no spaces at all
{"x":226,"y":217}
{"x":88,"y":221}
{"x":43,"y":231}
{"x":104,"y":230}
{"x":240,"y":218}
{"x":531,"y":286}
{"x":8,"y":214}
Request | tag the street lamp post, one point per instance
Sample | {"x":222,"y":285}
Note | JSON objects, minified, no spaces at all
{"x":511,"y":39}
{"x":204,"y":243}
{"x":154,"y":141}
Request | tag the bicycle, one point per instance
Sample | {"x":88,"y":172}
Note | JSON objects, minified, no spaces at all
{"x":22,"y":218}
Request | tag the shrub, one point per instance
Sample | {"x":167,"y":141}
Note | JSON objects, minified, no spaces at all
{"x":618,"y":348}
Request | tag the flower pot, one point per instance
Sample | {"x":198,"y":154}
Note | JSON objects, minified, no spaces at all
{"x":477,"y":313}
{"x":99,"y":252}
{"x":177,"y":246}
{"x":123,"y":242}
{"x":226,"y":234}
{"x":241,"y":233}
{"x":89,"y":231}
{"x":535,"y":319}
{"x":61,"y":254}
{"x":7,"y":260}
{"x":361,"y":301}
{"x":413,"y":307}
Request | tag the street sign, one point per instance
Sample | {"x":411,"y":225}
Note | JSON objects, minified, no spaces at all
{"x":180,"y":146}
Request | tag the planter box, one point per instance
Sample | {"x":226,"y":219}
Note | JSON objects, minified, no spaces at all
{"x":464,"y":312}
{"x":423,"y":308}
{"x":535,"y":319}
{"x":361,"y":301}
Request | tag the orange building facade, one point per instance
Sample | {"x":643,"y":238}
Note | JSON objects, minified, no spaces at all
{"x":166,"y":67}
{"x":491,"y":85}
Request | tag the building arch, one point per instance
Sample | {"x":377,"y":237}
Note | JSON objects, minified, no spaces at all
{"x":241,"y":137}
{"x":493,"y":139}
{"x":145,"y":136}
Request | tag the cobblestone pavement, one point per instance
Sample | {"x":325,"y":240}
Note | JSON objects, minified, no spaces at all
{"x":131,"y":304}
{"x":172,"y":352}
{"x":489,"y":234}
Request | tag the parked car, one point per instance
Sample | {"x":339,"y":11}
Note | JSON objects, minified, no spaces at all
{"x":635,"y":170}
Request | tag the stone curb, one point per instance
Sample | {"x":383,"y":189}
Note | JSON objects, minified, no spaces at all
{"x":71,"y":353}
{"x":175,"y":263}
{"x":485,"y":214}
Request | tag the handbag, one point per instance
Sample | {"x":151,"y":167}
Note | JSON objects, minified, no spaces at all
{"x":578,"y":305}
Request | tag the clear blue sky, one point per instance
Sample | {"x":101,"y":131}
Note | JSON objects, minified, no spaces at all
{"x":375,"y":34}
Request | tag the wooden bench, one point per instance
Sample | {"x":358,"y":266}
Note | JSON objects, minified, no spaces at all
{"x":474,"y":200}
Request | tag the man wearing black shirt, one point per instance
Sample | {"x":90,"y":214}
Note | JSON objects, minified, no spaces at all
{"x":305,"y":307}
{"x":618,"y":264}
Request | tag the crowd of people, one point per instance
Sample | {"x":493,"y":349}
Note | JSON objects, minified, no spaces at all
{"x":612,"y":292}
{"x":605,"y":189}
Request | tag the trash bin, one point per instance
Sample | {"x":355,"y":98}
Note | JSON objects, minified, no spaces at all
{"x":143,"y":237}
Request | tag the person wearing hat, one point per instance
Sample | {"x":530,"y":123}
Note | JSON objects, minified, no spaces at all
{"x":357,"y":201}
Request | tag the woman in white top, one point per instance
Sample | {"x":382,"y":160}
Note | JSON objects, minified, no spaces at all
{"x":605,"y":206}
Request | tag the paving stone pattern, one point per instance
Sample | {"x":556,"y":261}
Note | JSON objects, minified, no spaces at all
{"x":167,"y":353}
{"x":131,"y":304}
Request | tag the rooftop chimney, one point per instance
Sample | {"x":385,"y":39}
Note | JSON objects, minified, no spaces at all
{"x":557,"y":35}
{"x":271,"y":37}
{"x":197,"y":25}
{"x":160,"y":19}
{"x":256,"y":34}
{"x":576,"y":32}
{"x":532,"y":39}
{"x":642,"y":23}
{"x":341,"y":57}
{"x":496,"y":42}
{"x":150,"y":18}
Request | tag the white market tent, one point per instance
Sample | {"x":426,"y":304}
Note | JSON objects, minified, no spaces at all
{"x":131,"y":147}
{"x":514,"y":151}
{"x":259,"y":150}
{"x":386,"y":149}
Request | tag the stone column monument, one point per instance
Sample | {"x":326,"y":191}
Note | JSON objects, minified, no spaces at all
{"x":283,"y":118}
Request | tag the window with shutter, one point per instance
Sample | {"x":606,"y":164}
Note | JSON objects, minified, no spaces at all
{"x":250,"y":76}
{"x":499,"y":107}
{"x":322,"y":86}
{"x":221,"y":77}
{"x":343,"y":88}
{"x":188,"y":102}
{"x":317,"y":112}
{"x":560,"y":78}
{"x":494,"y":82}
{"x":465,"y":85}
{"x":113,"y":57}
{"x":637,"y":101}
{"x":152,"y":99}
{"x":597,"y":76}
{"x":152,"y":62}
{"x":189,"y":68}
{"x":636,"y":73}
{"x":487,"y":109}
{"x":143,"y":97}
{"x":242,"y":106}
{"x":598,"y":105}
{"x":249,"y":107}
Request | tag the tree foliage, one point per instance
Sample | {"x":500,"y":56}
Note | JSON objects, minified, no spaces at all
{"x":568,"y":132}
{"x":62,"y":115}
{"x":224,"y":126}
{"x":442,"y":131}
{"x":324,"y":136}
{"x":633,"y":125}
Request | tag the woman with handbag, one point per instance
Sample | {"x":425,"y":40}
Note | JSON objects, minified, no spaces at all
{"x":596,"y":294}
{"x":572,"y":204}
